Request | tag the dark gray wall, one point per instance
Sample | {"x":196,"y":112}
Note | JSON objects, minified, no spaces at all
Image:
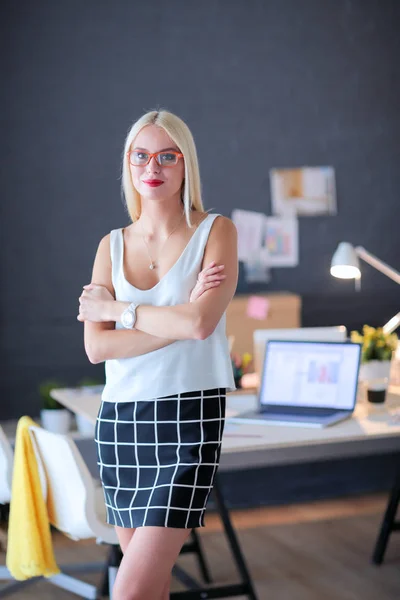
{"x":261,"y":84}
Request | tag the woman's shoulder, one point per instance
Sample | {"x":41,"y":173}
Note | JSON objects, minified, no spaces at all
{"x":222,"y":225}
{"x":198,"y":217}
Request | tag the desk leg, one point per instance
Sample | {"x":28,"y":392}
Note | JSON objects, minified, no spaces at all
{"x":234,"y":544}
{"x":389,"y":523}
{"x":195,"y":546}
{"x":244,"y":588}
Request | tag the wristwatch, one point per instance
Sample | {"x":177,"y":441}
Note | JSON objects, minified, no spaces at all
{"x":128,"y":317}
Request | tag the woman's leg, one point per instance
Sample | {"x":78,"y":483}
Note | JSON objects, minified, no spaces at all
{"x":147,"y":563}
{"x":167,"y":589}
{"x":124,"y":535}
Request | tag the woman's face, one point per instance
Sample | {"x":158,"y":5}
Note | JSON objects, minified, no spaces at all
{"x":153,"y":139}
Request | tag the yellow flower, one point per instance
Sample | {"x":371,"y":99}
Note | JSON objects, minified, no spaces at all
{"x":356,"y":337}
{"x":367,"y":330}
{"x":247,"y":358}
{"x":375,"y":343}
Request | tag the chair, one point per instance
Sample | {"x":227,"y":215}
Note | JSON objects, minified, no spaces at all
{"x":75,"y":507}
{"x":6,"y":466}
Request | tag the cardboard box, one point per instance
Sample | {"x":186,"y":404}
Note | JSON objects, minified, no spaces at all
{"x":260,"y":311}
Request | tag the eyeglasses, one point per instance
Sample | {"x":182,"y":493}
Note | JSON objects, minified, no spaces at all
{"x":138,"y":158}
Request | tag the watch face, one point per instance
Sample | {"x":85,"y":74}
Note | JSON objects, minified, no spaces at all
{"x":128,"y":319}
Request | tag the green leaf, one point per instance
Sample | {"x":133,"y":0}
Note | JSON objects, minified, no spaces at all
{"x":48,"y":402}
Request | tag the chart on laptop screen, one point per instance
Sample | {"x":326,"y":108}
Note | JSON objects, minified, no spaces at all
{"x":310,"y":374}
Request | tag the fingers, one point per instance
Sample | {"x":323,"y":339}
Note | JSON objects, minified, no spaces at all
{"x":210,"y":270}
{"x":91,"y":290}
{"x":85,"y":294}
{"x":209,"y":278}
{"x":214,"y":279}
{"x":213,"y":268}
{"x":206,"y":286}
{"x":86,"y":288}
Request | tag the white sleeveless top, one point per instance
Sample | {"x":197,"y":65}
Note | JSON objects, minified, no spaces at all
{"x":184,"y":365}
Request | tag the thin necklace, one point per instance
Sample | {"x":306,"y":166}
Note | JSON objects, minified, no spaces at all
{"x":152,"y":264}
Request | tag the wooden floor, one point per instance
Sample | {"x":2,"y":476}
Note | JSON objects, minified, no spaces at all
{"x":316,"y":551}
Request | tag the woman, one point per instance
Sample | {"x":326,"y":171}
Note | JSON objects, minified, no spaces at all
{"x":155,"y":313}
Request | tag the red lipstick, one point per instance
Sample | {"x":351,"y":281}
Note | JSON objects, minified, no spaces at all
{"x":153,"y":182}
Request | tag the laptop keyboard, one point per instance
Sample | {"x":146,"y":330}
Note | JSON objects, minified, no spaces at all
{"x":315,"y":412}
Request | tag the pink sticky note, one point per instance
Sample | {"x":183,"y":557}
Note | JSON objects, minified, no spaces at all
{"x":257,"y":307}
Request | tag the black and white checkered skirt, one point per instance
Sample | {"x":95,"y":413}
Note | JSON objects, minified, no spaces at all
{"x":158,"y":458}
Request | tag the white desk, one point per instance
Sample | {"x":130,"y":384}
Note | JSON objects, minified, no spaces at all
{"x":370,"y":431}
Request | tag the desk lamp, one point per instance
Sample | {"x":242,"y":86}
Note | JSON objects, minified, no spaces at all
{"x":345,"y":265}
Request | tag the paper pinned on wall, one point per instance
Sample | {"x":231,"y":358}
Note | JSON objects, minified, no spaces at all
{"x":257,"y":308}
{"x":281,"y":242}
{"x":250,"y":228}
{"x":308,"y":191}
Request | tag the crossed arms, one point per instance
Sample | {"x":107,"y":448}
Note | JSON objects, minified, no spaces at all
{"x":159,"y":326}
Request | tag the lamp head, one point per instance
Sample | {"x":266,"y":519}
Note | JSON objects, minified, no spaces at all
{"x":345,"y":263}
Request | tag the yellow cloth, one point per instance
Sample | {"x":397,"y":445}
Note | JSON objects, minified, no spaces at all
{"x":29,"y":547}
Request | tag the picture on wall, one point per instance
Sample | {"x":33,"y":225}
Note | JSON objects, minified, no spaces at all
{"x":281,"y":242}
{"x":250,"y":228}
{"x":307,"y":191}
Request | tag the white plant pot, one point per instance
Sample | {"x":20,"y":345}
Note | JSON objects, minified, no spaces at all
{"x":374,"y":370}
{"x":56,"y":421}
{"x":85,"y":427}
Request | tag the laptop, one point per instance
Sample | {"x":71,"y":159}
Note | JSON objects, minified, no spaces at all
{"x":303,"y":334}
{"x":307,"y":383}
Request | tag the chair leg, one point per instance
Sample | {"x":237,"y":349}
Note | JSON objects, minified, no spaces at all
{"x":62,"y":580}
{"x":388,"y":524}
{"x":76,"y":586}
{"x":16,"y":586}
{"x":112,"y":575}
{"x":103,"y":587}
{"x":110,"y":570}
{"x":113,"y":566}
{"x":201,"y":557}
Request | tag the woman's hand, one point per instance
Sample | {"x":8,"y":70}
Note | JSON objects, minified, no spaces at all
{"x":208,"y":278}
{"x":94,"y":303}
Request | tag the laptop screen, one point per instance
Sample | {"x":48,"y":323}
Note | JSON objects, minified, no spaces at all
{"x":310,"y":374}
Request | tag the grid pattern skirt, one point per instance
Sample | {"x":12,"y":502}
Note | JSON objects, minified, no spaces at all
{"x":158,"y":458}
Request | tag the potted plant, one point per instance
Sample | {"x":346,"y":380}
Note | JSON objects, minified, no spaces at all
{"x":241,"y":365}
{"x":54,"y":416}
{"x":376,"y":355}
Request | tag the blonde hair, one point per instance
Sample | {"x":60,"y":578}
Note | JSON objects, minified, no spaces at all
{"x":180,"y":133}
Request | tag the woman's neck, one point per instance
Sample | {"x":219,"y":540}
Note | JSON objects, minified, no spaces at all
{"x":159,"y":218}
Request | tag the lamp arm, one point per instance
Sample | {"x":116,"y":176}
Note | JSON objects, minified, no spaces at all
{"x":392,"y":324}
{"x":378,"y":264}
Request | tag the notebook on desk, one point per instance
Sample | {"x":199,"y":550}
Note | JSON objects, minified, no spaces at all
{"x":307,"y":383}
